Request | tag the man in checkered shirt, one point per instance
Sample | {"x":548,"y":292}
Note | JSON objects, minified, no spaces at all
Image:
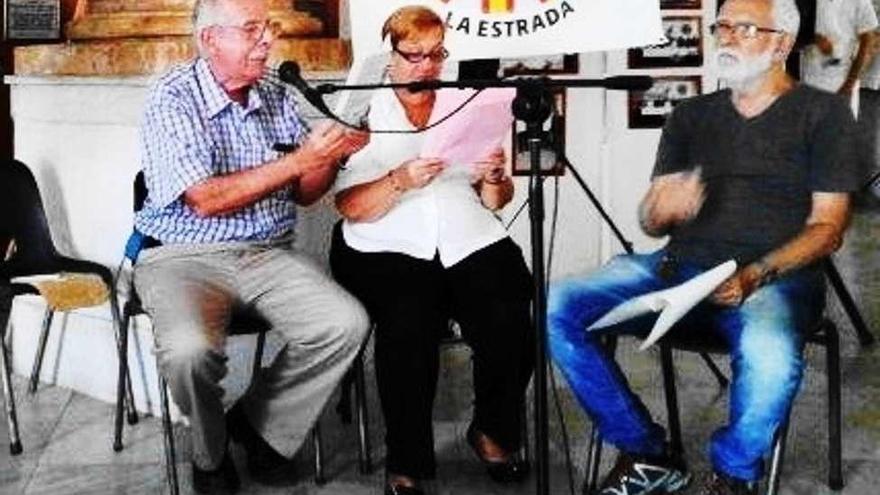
{"x":219,"y":221}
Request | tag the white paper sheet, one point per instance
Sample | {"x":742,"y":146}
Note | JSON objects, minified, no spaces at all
{"x":673,"y":303}
{"x":471,"y":134}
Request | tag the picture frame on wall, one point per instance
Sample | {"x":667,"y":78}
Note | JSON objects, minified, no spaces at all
{"x":683,"y":46}
{"x":554,"y":127}
{"x":649,"y":109}
{"x":533,"y":66}
{"x":31,"y":20}
{"x":680,"y":4}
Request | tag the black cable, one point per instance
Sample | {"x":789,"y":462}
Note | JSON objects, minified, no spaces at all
{"x":516,"y":215}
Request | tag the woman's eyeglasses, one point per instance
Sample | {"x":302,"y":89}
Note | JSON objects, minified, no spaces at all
{"x":435,"y":56}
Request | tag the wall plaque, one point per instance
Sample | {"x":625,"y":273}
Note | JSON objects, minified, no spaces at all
{"x":32,"y":19}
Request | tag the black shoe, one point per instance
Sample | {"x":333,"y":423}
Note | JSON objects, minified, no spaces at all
{"x":720,"y":484}
{"x":264,"y":463}
{"x":639,"y":475}
{"x":403,"y":490}
{"x":223,"y":480}
{"x":509,"y":471}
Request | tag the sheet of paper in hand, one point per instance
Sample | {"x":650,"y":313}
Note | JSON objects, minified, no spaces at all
{"x":474,"y":131}
{"x":672,"y":303}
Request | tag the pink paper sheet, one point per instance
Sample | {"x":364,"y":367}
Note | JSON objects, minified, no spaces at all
{"x":475,"y":131}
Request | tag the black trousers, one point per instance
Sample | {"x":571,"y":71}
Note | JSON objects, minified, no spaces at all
{"x":411,"y":301}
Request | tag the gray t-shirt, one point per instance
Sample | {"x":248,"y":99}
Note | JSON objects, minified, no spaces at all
{"x":760,"y":172}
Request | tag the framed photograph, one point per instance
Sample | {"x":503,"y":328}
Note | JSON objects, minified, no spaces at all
{"x":553,"y":64}
{"x":554,"y":129}
{"x":32,"y":19}
{"x":683,"y":48}
{"x":649,"y":109}
{"x":680,"y":4}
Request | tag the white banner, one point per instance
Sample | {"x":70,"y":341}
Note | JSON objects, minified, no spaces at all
{"x":519,"y":28}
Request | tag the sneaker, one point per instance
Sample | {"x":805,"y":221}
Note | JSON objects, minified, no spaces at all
{"x":720,"y":484}
{"x":638,"y":475}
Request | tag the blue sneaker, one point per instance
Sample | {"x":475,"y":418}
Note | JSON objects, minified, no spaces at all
{"x":638,"y":475}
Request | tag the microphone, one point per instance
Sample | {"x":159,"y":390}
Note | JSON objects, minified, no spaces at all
{"x":290,"y":73}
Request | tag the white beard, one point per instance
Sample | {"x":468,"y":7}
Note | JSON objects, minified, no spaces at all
{"x":738,"y":72}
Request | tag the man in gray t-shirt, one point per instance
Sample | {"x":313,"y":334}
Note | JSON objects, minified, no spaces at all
{"x":759,"y":173}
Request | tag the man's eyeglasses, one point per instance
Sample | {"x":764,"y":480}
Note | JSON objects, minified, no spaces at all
{"x":435,"y":56}
{"x":253,"y":31}
{"x":740,"y":30}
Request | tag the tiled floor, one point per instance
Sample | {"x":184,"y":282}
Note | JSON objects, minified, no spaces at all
{"x":67,"y":437}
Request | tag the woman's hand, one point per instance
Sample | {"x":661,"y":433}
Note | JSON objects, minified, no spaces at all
{"x":491,"y":170}
{"x":417,"y":173}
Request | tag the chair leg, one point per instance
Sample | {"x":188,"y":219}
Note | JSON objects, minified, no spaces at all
{"x":832,"y":348}
{"x":524,"y":434}
{"x":343,"y":407}
{"x":673,"y":420}
{"x":15,"y":447}
{"x":122,"y":378}
{"x":168,"y":434}
{"x":594,"y":458}
{"x":723,"y":382}
{"x":365,"y":464}
{"x":319,"y":454}
{"x":41,"y":349}
{"x":776,"y":459}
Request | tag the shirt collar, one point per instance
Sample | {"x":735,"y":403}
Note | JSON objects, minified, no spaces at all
{"x":216,"y":99}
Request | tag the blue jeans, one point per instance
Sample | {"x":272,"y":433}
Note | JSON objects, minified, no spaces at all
{"x":765,"y":335}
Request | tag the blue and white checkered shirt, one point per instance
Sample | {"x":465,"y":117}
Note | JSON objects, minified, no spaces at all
{"x":191,"y":131}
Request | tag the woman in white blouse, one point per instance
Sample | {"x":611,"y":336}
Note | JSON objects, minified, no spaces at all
{"x":419,"y":245}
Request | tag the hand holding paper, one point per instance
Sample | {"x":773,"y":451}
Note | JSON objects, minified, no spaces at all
{"x":673,"y":303}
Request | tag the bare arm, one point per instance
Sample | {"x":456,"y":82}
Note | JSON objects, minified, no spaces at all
{"x":863,"y":56}
{"x":372,"y":200}
{"x":821,"y":236}
{"x":310,"y":170}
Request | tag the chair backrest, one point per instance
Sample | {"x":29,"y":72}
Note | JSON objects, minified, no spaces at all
{"x":140,"y":191}
{"x":24,"y":220}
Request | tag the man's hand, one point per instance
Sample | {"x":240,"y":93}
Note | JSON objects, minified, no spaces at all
{"x":740,"y":285}
{"x":672,"y":200}
{"x":330,"y":143}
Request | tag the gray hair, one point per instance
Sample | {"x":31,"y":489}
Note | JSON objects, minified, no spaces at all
{"x":786,"y":16}
{"x":207,"y":13}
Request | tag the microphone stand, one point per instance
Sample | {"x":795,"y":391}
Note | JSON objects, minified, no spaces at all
{"x":532,"y":105}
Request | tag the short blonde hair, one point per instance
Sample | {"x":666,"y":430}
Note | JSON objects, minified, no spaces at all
{"x":410,"y":21}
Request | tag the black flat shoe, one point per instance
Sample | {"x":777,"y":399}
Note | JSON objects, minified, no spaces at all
{"x":509,"y":471}
{"x":403,"y":490}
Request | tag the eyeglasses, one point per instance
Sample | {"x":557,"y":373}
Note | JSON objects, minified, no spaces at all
{"x":435,"y":56}
{"x":740,"y":30}
{"x":253,"y":31}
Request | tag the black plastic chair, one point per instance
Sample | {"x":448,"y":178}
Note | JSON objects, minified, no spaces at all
{"x":24,"y":222}
{"x":243,"y":321}
{"x":692,"y":340}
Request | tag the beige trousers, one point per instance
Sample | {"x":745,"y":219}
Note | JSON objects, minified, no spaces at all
{"x":190,"y":290}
